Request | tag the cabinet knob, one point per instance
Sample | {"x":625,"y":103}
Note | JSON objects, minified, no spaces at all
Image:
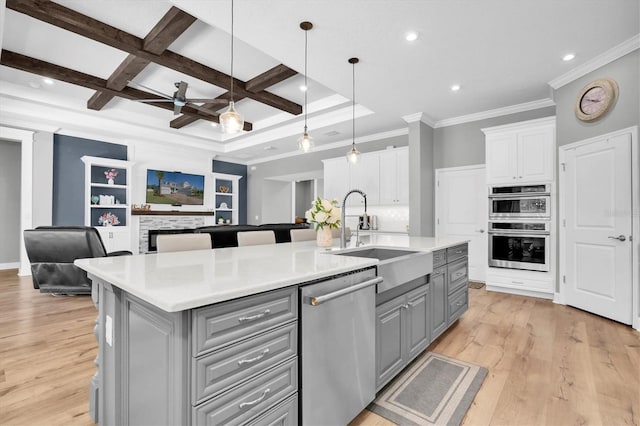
{"x":514,"y":177}
{"x":519,"y":177}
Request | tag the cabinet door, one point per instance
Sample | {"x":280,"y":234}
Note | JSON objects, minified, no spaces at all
{"x":336,"y":178}
{"x":418,"y":324}
{"x":389,"y":340}
{"x":402,"y":162}
{"x":115,"y":238}
{"x":502,"y":158}
{"x":388,"y":177}
{"x":535,"y":155}
{"x":365,"y":176}
{"x":438,"y":301}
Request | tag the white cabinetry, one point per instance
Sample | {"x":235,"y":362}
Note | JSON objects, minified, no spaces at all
{"x":382,"y":175}
{"x":107,"y":200}
{"x":394,"y":176}
{"x":521,"y":152}
{"x":226,"y":200}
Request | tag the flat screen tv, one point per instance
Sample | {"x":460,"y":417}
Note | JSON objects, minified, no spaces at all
{"x":175,"y":188}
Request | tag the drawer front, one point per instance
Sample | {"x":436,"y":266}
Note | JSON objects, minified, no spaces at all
{"x":225,"y":323}
{"x":245,"y":402}
{"x":220,"y":370}
{"x":458,"y":274}
{"x":458,"y":304}
{"x":439,"y":258}
{"x":457,"y":252}
{"x":285,"y":414}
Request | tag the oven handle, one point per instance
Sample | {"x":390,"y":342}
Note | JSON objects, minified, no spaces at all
{"x":521,"y":233}
{"x":524,"y":195}
{"x":318,"y":300}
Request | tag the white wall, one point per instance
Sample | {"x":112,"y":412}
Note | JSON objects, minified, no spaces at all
{"x":276,"y":202}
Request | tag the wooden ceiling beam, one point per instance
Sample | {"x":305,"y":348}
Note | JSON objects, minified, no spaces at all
{"x":166,"y":31}
{"x":57,"y":72}
{"x":68,"y":19}
{"x":268,"y":78}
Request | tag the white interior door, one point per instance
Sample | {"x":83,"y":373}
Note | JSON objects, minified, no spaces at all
{"x":597,"y":196}
{"x":462,"y":209}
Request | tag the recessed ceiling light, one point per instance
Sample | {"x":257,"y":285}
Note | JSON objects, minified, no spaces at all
{"x":34,"y":84}
{"x":455,"y":87}
{"x":568,"y":57}
{"x":411,"y":36}
{"x":303,"y":88}
{"x":214,"y":124}
{"x":47,"y":80}
{"x":269,"y":148}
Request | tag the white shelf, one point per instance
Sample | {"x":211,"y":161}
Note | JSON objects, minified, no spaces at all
{"x":225,"y":210}
{"x":109,"y":206}
{"x":106,"y":185}
{"x":225,"y":193}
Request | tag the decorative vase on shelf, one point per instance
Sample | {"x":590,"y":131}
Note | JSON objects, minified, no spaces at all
{"x":324,"y":238}
{"x":110,"y":181}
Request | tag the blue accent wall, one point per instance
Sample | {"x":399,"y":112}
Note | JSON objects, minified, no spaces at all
{"x":68,"y":174}
{"x":238,"y":170}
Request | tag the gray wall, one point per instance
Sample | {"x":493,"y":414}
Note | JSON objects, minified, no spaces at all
{"x":10,"y":158}
{"x":304,"y":196}
{"x":463,"y":144}
{"x":68,"y":174}
{"x":297,"y":164}
{"x":277,"y":202}
{"x":625,"y":113}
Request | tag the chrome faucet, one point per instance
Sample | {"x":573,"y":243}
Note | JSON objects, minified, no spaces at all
{"x":343,"y":240}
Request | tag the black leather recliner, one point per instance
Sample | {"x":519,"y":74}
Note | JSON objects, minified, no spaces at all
{"x":52,"y":250}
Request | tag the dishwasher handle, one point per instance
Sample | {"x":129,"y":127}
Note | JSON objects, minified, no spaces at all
{"x":317,"y":300}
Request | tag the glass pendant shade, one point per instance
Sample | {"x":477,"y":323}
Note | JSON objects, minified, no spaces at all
{"x":353,"y":155}
{"x":305,"y":143}
{"x":231,"y":121}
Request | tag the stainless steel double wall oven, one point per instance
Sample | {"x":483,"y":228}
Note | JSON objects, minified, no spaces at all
{"x":519,"y":227}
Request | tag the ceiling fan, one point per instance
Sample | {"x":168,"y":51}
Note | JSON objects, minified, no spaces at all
{"x":179,"y":98}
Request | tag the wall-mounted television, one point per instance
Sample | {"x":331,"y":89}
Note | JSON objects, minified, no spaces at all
{"x":175,"y":188}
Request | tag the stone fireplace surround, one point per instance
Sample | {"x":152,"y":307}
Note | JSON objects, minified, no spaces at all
{"x":148,"y":223}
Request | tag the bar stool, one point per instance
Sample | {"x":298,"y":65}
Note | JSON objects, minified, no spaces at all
{"x":254,"y":238}
{"x":183,"y":242}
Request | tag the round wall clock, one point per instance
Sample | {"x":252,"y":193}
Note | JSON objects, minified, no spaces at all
{"x":596,"y":98}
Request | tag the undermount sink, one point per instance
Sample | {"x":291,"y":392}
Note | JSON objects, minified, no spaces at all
{"x":397,"y":266}
{"x":377,"y":253}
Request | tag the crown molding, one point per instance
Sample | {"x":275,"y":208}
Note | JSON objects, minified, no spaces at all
{"x":599,"y":61}
{"x":544,"y":121}
{"x":419,"y":116}
{"x":344,"y":142}
{"x":498,"y":112}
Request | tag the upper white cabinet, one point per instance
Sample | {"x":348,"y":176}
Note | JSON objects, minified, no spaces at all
{"x":382,"y":175}
{"x":521,"y":152}
{"x":394,"y":176}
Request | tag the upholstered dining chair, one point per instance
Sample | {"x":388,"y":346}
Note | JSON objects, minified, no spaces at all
{"x":183,"y":242}
{"x":52,"y":250}
{"x":302,"y":235}
{"x":254,"y":238}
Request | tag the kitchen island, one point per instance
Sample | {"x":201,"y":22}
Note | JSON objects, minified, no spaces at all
{"x":212,"y":336}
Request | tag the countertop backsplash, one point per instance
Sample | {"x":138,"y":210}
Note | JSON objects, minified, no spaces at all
{"x":389,"y":218}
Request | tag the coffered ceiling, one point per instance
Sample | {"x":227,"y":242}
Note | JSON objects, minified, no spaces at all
{"x":501,"y":53}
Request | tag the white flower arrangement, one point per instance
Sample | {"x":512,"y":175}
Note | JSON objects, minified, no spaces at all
{"x":324,"y":213}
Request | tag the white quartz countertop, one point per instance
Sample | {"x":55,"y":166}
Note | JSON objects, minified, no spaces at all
{"x":185,"y":280}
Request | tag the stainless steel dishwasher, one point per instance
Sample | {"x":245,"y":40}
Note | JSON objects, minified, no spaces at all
{"x":338,"y":347}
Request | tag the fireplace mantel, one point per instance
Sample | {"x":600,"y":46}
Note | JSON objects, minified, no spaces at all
{"x":169,"y":213}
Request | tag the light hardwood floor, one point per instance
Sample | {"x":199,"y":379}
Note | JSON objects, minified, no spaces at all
{"x":548,"y":364}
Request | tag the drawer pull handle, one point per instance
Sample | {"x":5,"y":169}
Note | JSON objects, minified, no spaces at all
{"x":458,"y":274}
{"x":257,"y":400}
{"x":255,"y":317}
{"x":252,"y":360}
{"x":459,"y":303}
{"x":458,"y":251}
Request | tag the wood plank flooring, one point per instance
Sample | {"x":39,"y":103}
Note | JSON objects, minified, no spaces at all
{"x":548,"y":364}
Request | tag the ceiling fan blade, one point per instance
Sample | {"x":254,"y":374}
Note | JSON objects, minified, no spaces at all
{"x":151,"y":90}
{"x":209,"y":101}
{"x":152,"y":100}
{"x":177,"y":108}
{"x":205,"y":110}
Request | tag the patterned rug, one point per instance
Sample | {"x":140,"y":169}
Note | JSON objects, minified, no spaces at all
{"x":434,"y":390}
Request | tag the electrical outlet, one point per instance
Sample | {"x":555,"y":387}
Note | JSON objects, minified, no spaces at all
{"x":108,"y":330}
{"x":257,"y":217}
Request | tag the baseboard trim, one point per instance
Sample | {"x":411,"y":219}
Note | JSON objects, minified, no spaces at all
{"x":12,"y":265}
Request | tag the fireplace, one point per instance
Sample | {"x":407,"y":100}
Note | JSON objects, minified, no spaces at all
{"x":153,"y":236}
{"x":151,"y":226}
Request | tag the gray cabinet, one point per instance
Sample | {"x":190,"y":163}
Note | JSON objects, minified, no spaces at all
{"x":403,"y":331}
{"x":449,"y":287}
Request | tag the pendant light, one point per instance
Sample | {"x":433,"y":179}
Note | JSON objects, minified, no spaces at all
{"x":305,"y":143}
{"x":230,"y":120}
{"x":353,"y":155}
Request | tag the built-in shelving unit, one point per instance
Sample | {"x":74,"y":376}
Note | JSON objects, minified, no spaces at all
{"x":107,"y":200}
{"x":225,"y":197}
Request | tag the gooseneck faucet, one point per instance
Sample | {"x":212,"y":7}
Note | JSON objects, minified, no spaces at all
{"x":343,"y":240}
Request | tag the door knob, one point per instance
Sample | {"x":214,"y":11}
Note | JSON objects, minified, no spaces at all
{"x":619,"y":237}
